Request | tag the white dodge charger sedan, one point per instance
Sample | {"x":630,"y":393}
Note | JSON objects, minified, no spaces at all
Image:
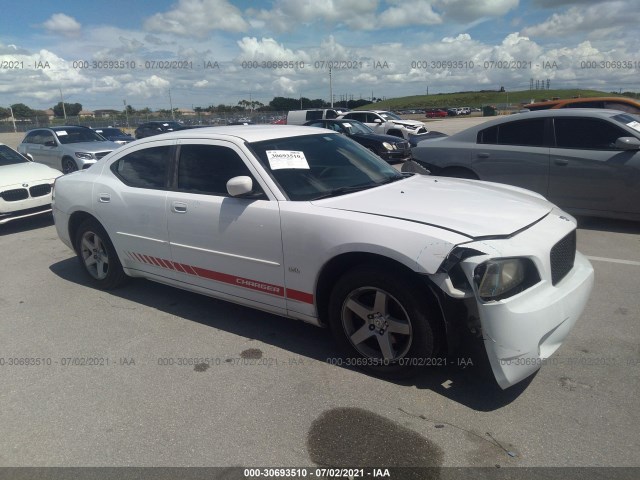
{"x":305,"y":223}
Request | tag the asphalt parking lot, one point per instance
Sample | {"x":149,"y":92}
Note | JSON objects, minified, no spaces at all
{"x":268,"y":393}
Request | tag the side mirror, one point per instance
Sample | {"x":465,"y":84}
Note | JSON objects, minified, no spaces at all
{"x":377,"y":120}
{"x":238,"y":186}
{"x":627,"y":143}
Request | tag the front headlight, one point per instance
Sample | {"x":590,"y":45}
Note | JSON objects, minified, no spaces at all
{"x":388,"y":146}
{"x":503,"y":278}
{"x":84,"y":156}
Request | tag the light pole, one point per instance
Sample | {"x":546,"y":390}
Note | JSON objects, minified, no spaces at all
{"x":13,"y":119}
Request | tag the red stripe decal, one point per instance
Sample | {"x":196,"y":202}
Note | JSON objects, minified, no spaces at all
{"x":269,"y":288}
{"x":299,"y":296}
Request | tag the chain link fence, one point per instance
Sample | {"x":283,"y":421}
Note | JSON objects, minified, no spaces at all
{"x":130,"y":122}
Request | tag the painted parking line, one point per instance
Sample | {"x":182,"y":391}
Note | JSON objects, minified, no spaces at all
{"x":614,"y":260}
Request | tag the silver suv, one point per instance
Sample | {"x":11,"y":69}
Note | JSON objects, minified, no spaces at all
{"x":66,"y":148}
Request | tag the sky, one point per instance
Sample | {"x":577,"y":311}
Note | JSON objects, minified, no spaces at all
{"x":190,"y":53}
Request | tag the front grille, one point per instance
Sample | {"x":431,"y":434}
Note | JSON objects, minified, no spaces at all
{"x":99,"y":155}
{"x":563,"y":255}
{"x":14,"y":195}
{"x":40,"y":190}
{"x":402,"y":146}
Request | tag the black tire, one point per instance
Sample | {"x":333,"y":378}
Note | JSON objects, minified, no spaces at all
{"x":69,"y":165}
{"x":389,"y":301}
{"x":459,"y":172}
{"x":97,"y":256}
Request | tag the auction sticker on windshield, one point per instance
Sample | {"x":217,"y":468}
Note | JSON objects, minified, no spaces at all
{"x":61,"y":132}
{"x":634,"y":125}
{"x":281,"y":159}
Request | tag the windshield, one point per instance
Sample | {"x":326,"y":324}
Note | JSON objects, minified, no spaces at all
{"x":110,"y":132}
{"x":630,"y":120}
{"x":389,"y":115}
{"x":357,"y":127}
{"x":78,"y":135}
{"x":315,"y":166}
{"x":8,"y":156}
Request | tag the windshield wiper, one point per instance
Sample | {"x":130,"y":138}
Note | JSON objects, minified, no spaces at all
{"x":356,"y":188}
{"x":342,"y":190}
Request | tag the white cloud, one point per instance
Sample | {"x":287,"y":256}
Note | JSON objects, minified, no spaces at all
{"x":404,"y":13}
{"x":466,"y":11}
{"x":198,"y":18}
{"x":148,"y":87}
{"x":590,"y":20}
{"x":62,"y":24}
{"x":201,"y":84}
{"x":287,"y":15}
{"x":268,"y":49}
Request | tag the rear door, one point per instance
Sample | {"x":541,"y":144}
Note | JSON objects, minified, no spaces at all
{"x":515,"y":153}
{"x":588,"y":172}
{"x":130,"y":200}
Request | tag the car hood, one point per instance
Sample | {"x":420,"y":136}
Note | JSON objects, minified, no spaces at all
{"x":26,"y":173}
{"x":91,"y":147}
{"x":469,"y":207}
{"x":407,"y":122}
{"x":379,"y":137}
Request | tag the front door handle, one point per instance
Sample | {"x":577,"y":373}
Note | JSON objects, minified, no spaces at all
{"x":560,"y":161}
{"x":104,"y":198}
{"x":179,"y":207}
{"x":483,"y":155}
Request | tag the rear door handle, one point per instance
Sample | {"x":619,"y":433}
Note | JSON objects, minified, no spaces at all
{"x":104,"y":198}
{"x":560,"y":161}
{"x":179,"y":207}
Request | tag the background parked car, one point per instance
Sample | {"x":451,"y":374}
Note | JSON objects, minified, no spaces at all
{"x":156,"y":128}
{"x":66,"y":148}
{"x":387,"y":123}
{"x":25,"y":186}
{"x":435,"y":113}
{"x":623,"y":104}
{"x":390,"y":148}
{"x":115,"y":135}
{"x":587,"y":161}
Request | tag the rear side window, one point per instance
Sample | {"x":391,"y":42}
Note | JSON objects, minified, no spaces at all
{"x":145,"y":168}
{"x":586,"y":133}
{"x":526,"y":132}
{"x":206,"y":169}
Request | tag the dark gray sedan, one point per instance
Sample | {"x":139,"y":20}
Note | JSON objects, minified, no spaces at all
{"x":587,"y":161}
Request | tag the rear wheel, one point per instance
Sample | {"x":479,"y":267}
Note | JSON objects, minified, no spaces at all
{"x":98,"y":256}
{"x":382,"y":322}
{"x":69,"y":165}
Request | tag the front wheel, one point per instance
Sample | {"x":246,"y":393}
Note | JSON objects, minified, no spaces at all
{"x":382,"y":322}
{"x":69,"y":165}
{"x":98,"y":256}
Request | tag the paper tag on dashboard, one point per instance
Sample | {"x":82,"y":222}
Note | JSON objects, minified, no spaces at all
{"x":281,"y":159}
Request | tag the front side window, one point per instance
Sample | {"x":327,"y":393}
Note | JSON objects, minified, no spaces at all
{"x":206,"y":169}
{"x":586,"y":133}
{"x":146,"y":168}
{"x":32,"y":137}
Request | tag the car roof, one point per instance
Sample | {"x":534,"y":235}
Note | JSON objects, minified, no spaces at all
{"x":58,"y":128}
{"x":566,"y":101}
{"x":247,"y":133}
{"x":569,"y":112}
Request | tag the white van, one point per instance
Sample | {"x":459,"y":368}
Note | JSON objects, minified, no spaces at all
{"x":300,"y":117}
